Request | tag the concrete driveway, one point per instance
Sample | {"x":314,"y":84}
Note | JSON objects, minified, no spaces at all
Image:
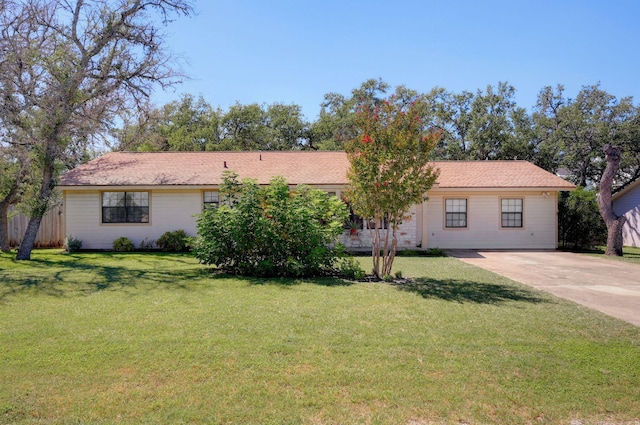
{"x":610,"y":286}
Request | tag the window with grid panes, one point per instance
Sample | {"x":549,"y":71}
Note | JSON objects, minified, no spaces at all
{"x":125,"y":207}
{"x":456,"y":213}
{"x":511,"y":212}
{"x":211,"y":199}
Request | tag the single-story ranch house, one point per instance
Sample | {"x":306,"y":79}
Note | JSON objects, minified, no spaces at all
{"x":474,"y":204}
{"x":627,"y":202}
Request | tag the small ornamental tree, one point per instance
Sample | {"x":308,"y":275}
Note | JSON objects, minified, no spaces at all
{"x":390,"y":170}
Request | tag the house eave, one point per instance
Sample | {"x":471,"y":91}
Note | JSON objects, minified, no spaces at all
{"x":628,"y":188}
{"x":120,"y":187}
{"x":501,"y":189}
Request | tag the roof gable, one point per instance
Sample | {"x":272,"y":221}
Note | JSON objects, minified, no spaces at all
{"x":301,"y":167}
{"x":623,"y":191}
{"x":497,"y":174}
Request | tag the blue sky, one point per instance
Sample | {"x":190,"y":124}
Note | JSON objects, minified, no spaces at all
{"x":257,"y":51}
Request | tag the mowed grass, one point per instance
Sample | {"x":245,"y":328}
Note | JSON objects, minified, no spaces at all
{"x":102,"y":338}
{"x":630,"y":254}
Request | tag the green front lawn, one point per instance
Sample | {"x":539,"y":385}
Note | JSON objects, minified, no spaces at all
{"x":104,"y":338}
{"x":631,"y":254}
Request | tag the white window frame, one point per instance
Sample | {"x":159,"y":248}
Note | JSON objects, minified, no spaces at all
{"x":210,"y":199}
{"x":512,"y":208}
{"x":453,"y":206}
{"x":128,"y":194}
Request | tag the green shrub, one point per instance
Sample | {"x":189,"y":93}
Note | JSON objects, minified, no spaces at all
{"x":579,"y":222}
{"x":431,"y":252}
{"x":435,"y":252}
{"x":270,"y":230}
{"x":123,"y":244}
{"x":72,"y":244}
{"x":176,"y":241}
{"x":350,"y":268}
{"x":265,"y":268}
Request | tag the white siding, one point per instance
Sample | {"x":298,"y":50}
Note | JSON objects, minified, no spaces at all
{"x":483,"y":229}
{"x":423,"y":226}
{"x":631,"y":229}
{"x":169,"y":210}
{"x":629,"y":205}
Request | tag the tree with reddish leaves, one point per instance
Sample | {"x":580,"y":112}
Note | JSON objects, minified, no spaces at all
{"x":390,"y":170}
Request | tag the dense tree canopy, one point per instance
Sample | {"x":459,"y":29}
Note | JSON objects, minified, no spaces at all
{"x":487,"y":125}
{"x":559,"y":132}
{"x":191,"y":124}
{"x":573,"y":133}
{"x":336,"y":121}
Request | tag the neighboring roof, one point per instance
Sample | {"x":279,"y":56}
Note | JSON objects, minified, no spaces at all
{"x":625,"y":189}
{"x":308,"y":167}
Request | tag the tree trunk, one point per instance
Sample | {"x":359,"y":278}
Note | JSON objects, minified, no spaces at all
{"x":4,"y":227}
{"x":385,"y":249}
{"x":614,"y":237}
{"x":44,"y":198}
{"x":614,"y":223}
{"x":390,"y":251}
{"x":375,"y":252}
{"x":29,"y":239}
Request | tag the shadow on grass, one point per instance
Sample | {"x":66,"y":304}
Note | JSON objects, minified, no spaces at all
{"x":285,"y":282}
{"x":66,"y":275}
{"x":82,"y":274}
{"x":462,"y":291}
{"x":72,"y":275}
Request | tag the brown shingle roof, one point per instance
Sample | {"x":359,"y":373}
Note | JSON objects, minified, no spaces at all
{"x":206,"y":168}
{"x":497,"y":174}
{"x":314,"y":168}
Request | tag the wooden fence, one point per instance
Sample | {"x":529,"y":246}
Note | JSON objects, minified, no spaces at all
{"x":51,"y":233}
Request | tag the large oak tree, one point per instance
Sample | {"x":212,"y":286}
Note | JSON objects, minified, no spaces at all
{"x":613,"y":221}
{"x":68,"y":69}
{"x":573,"y":133}
{"x":579,"y":134}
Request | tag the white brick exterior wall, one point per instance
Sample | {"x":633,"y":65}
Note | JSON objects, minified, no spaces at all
{"x":408,"y":234}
